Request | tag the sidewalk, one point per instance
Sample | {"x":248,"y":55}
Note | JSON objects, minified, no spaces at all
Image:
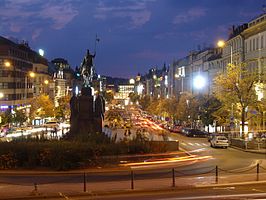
{"x":261,"y":151}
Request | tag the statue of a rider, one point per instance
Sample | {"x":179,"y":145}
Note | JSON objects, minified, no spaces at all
{"x":87,"y":69}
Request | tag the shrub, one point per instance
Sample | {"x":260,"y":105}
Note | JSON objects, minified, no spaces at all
{"x":63,"y":155}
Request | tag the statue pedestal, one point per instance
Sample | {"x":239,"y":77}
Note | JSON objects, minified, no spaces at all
{"x":86,"y":115}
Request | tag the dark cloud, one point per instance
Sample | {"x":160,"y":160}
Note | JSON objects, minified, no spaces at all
{"x":136,"y":11}
{"x":134,"y":35}
{"x":190,"y":15}
{"x":18,"y":15}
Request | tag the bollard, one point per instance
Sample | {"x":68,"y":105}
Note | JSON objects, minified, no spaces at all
{"x":84,"y":182}
{"x":173,"y":175}
{"x":35,"y":190}
{"x":216,"y":174}
{"x":258,"y":171}
{"x":35,"y":187}
{"x":132,"y":180}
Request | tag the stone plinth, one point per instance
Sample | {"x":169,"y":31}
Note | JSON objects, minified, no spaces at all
{"x":86,"y":114}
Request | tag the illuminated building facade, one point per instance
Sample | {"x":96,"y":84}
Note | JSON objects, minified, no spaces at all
{"x":16,"y":77}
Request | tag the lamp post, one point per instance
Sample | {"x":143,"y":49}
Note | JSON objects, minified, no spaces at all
{"x":46,"y":82}
{"x":221,"y":44}
{"x":199,"y":82}
{"x":7,"y":64}
{"x":31,"y":75}
{"x":177,"y":76}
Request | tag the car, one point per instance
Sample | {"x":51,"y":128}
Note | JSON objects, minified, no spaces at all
{"x":219,"y":141}
{"x":196,"y":133}
{"x":51,"y":124}
{"x":212,"y":135}
{"x":185,"y":131}
{"x":177,"y":129}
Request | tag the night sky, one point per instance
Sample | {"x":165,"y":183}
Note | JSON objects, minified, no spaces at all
{"x":134,"y":35}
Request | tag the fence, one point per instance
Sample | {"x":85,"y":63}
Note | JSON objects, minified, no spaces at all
{"x":126,"y":180}
{"x":255,"y":145}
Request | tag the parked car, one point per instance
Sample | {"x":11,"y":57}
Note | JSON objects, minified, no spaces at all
{"x":184,"y":131}
{"x":196,"y":133}
{"x":219,"y":141}
{"x":177,"y":129}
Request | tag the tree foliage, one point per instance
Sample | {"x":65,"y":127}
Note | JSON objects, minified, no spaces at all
{"x":235,"y":89}
{"x":63,"y":108}
{"x":133,"y":97}
{"x":108,"y":95}
{"x":144,"y":102}
{"x":114,"y":117}
{"x":42,"y":106}
{"x":18,"y":117}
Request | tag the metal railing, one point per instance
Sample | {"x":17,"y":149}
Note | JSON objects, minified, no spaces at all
{"x":169,"y":176}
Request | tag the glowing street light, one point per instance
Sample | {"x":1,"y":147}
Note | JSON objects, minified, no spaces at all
{"x":41,"y":52}
{"x":1,"y":95}
{"x":199,"y":82}
{"x":46,"y":82}
{"x":221,"y":43}
{"x":7,"y":64}
{"x":32,"y":74}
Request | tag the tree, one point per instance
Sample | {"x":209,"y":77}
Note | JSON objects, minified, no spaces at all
{"x":63,"y":109}
{"x":209,"y":105}
{"x":166,"y":107}
{"x":19,"y":117}
{"x":133,"y":97}
{"x":144,"y":102}
{"x":259,"y":109}
{"x":153,"y":107}
{"x":188,"y":107}
{"x":108,"y":95}
{"x":235,"y":89}
{"x":6,"y":117}
{"x":41,"y":106}
{"x":114,"y":117}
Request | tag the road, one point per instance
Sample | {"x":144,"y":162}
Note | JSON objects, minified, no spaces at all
{"x":225,"y":158}
{"x":195,"y":166}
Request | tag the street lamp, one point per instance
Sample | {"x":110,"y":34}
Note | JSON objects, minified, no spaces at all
{"x":199,"y":82}
{"x":7,"y":64}
{"x":31,"y":75}
{"x":221,"y":44}
{"x":1,"y":95}
{"x":46,"y":82}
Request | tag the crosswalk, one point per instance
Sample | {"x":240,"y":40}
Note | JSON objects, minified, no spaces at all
{"x":195,"y":144}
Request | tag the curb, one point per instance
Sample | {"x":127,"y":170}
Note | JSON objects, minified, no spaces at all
{"x":230,"y":184}
{"x":248,"y":151}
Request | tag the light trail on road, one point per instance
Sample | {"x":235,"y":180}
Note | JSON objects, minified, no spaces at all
{"x":167,"y":160}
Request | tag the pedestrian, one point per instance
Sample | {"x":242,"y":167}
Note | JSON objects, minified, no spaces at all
{"x":125,"y":134}
{"x":115,"y":137}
